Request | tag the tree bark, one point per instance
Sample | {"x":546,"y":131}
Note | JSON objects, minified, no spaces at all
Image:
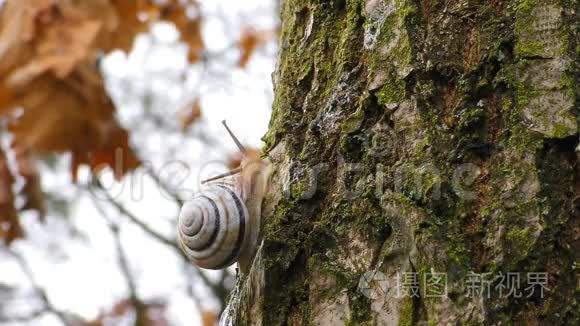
{"x":411,"y":138}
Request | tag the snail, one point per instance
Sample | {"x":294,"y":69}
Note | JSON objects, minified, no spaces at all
{"x":220,"y":225}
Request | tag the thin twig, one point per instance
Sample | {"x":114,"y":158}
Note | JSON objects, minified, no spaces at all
{"x":124,"y":265}
{"x":124,"y":211}
{"x":216,"y":289}
{"x":196,"y":300}
{"x":164,"y":186}
{"x":122,"y":257}
{"x":48,"y":306}
{"x":24,"y":319}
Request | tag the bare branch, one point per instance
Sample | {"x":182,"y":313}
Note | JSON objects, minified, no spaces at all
{"x":39,"y":290}
{"x":25,"y":318}
{"x":123,"y":260}
{"x":160,"y":183}
{"x":124,"y":211}
{"x":217,"y":289}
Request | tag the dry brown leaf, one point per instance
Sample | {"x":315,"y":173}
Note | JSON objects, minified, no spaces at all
{"x":106,"y":14}
{"x":16,"y":31}
{"x":190,"y":114}
{"x":32,"y":190}
{"x":44,"y":30}
{"x":116,"y":153}
{"x":189,"y":27}
{"x":57,"y":118}
{"x":6,"y":98}
{"x":151,"y":315}
{"x":63,"y":46}
{"x":74,"y":114}
{"x":209,"y":318}
{"x":248,"y":43}
{"x":147,"y":314}
{"x":48,"y":52}
{"x":10,"y":228}
{"x":129,"y":24}
{"x":119,"y":309}
{"x":250,"y":40}
{"x":192,"y":36}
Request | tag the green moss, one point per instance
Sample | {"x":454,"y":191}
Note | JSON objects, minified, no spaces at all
{"x":391,"y":92}
{"x":524,"y":94}
{"x":561,"y":130}
{"x":406,"y":312}
{"x":524,"y":7}
{"x":352,"y":34}
{"x":457,"y":252}
{"x":354,"y":121}
{"x":403,"y":52}
{"x":522,"y":241}
{"x":565,"y":38}
{"x":421,"y":183}
{"x":306,"y":70}
{"x":419,"y":151}
{"x":359,"y":308}
{"x":529,"y":48}
{"x":514,"y":168}
{"x":567,"y":81}
{"x":470,"y":116}
{"x":300,"y":188}
{"x":313,"y":231}
{"x":520,"y":138}
{"x":527,"y":45}
{"x":393,"y":53}
{"x":405,"y":9}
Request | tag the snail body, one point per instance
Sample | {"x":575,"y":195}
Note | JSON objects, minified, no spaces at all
{"x":221,"y":224}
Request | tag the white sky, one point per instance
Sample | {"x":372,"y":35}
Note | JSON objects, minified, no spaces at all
{"x":74,"y":257}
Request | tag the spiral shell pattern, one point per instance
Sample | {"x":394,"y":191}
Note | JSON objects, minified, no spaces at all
{"x":213,"y":227}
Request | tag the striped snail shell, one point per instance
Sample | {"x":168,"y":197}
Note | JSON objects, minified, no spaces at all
{"x":220,"y":225}
{"x":214,"y":227}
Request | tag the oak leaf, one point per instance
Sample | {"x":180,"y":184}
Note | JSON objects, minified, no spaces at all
{"x":190,"y":114}
{"x":208,"y":318}
{"x":250,"y":40}
{"x":32,"y":188}
{"x":116,"y":153}
{"x":48,"y":52}
{"x":248,"y":43}
{"x":10,"y":228}
{"x":128,"y":23}
{"x":189,"y":27}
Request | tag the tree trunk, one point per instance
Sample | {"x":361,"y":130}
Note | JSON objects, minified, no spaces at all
{"x":429,"y":147}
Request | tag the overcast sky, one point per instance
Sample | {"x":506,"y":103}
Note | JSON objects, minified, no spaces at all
{"x":74,"y":257}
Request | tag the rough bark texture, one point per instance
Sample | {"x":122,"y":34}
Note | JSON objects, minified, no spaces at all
{"x":444,"y":135}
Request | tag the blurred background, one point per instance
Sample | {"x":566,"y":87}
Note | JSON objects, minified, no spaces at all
{"x":110,"y":115}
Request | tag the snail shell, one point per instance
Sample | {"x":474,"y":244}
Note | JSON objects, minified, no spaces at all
{"x":221,"y":224}
{"x":214,"y":226}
